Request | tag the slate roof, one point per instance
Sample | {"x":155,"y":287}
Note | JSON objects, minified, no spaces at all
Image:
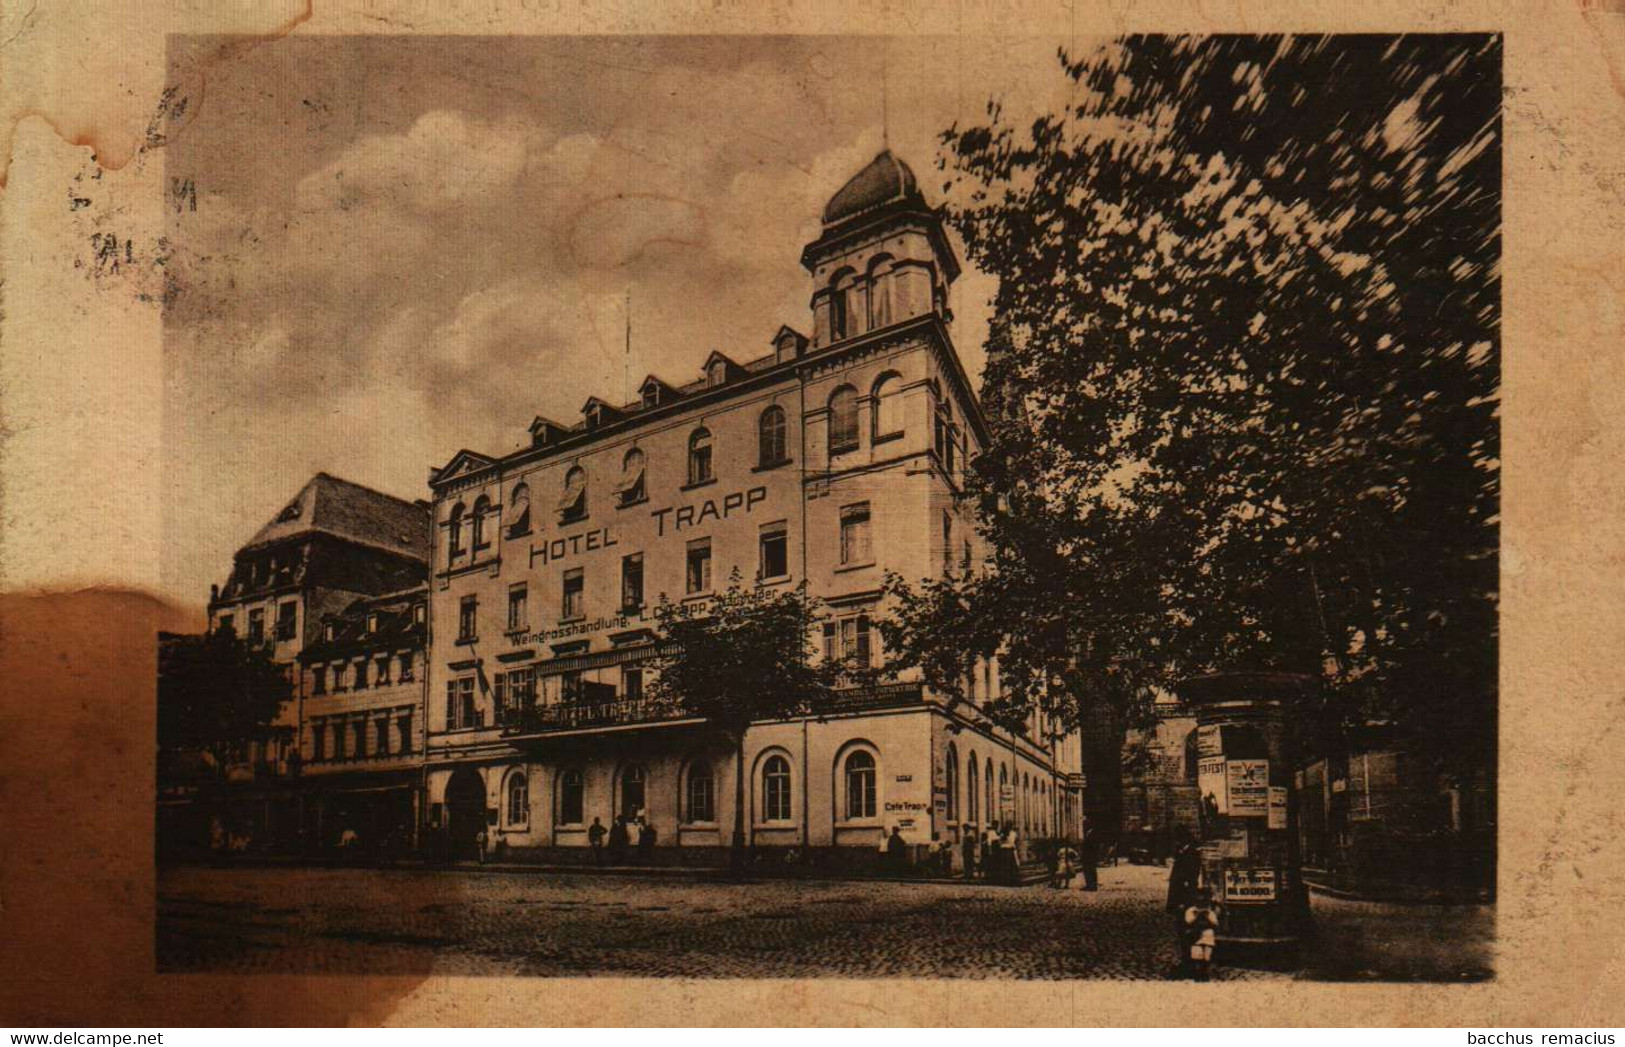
{"x":342,"y":509}
{"x":395,"y":626}
{"x":886,"y":180}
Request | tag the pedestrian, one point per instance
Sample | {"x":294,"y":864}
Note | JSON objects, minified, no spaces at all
{"x":967,"y":848}
{"x":1065,"y":869}
{"x":1184,"y":879}
{"x":896,"y":851}
{"x":1012,"y":856}
{"x":480,"y":840}
{"x":646,"y":841}
{"x":617,"y":840}
{"x":1200,"y":927}
{"x":634,"y":837}
{"x":1089,"y":857}
{"x":990,"y":853}
{"x":595,"y":837}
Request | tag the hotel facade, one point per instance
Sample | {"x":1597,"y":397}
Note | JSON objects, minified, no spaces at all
{"x":826,"y":459}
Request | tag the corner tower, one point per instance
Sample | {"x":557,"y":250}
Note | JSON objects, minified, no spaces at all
{"x":882,"y":258}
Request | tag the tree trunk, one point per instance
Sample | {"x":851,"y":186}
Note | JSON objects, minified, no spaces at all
{"x":736,"y":856}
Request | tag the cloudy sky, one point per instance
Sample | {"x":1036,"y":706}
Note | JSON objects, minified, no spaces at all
{"x":404,"y":245}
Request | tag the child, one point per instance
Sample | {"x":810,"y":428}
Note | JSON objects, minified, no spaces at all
{"x":1201,"y":933}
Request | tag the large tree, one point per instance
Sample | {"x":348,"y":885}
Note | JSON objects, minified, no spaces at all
{"x":1244,"y":377}
{"x":216,"y":692}
{"x":745,"y":655}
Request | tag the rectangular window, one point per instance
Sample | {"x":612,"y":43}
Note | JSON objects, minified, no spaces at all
{"x":830,"y":650}
{"x":338,"y":677}
{"x":381,"y":734}
{"x":286,"y":615}
{"x":256,"y":626}
{"x":848,"y":640}
{"x":518,"y":614}
{"x":570,"y":686}
{"x":468,"y":617}
{"x":361,"y":675}
{"x":947,"y":542}
{"x":575,"y":587}
{"x":855,"y":534}
{"x":406,"y":675}
{"x":775,"y":549}
{"x":632,"y":684}
{"x":318,"y":680}
{"x":382,"y":673}
{"x":632,"y":582}
{"x":318,"y":741}
{"x":404,"y":723}
{"x":699,"y":565}
{"x":461,"y":711}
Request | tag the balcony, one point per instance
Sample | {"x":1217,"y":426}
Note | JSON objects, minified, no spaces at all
{"x":530,"y":718}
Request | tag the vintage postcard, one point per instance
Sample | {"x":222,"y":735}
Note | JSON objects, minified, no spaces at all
{"x":661,"y":516}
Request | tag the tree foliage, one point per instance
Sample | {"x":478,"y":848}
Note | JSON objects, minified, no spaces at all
{"x":1243,"y":373}
{"x":216,"y":691}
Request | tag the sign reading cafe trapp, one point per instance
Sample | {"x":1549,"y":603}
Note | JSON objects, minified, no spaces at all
{"x":671,"y":519}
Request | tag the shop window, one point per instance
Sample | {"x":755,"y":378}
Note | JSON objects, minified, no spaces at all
{"x":772,"y":438}
{"x":843,"y":420}
{"x":572,"y":795}
{"x":702,"y":796}
{"x":700,"y":468}
{"x":518,"y":800}
{"x":775,"y":552}
{"x":776,"y":789}
{"x":860,"y":785}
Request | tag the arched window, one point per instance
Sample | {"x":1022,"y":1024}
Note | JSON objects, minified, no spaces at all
{"x":701,"y":801}
{"x":973,"y":792}
{"x":992,"y":814}
{"x":571,"y":797}
{"x":699,"y":457}
{"x":880,"y":291}
{"x":776,"y":789}
{"x":952,"y":782}
{"x":518,"y":800}
{"x":860,"y":785}
{"x":843,"y":420}
{"x":840,"y":305}
{"x":1006,"y":814}
{"x":519,"y":506}
{"x":482,"y":511}
{"x":633,"y":488}
{"x":454,"y":530}
{"x":771,"y":443}
{"x":634,"y":791}
{"x":573,"y":503}
{"x":888,"y":407}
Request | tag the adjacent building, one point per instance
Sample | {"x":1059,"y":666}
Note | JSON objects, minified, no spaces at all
{"x":829,"y":459}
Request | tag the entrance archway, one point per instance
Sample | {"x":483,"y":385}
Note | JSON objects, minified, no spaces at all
{"x":465,"y":812}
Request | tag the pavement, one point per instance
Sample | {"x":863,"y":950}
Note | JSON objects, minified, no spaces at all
{"x":576,"y":923}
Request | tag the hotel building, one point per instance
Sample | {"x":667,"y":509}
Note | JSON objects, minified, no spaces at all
{"x":827,"y":459}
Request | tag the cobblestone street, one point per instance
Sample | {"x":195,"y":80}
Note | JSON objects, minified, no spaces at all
{"x":570,"y":924}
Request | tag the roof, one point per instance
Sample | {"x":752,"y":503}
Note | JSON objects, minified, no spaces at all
{"x":886,"y":180}
{"x":349,"y":511}
{"x":396,"y":626}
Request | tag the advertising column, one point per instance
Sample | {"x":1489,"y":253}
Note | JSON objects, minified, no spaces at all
{"x":1250,"y":861}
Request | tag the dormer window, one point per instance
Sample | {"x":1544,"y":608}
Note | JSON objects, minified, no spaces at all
{"x":718,"y":374}
{"x":420,"y":614}
{"x":330,"y":632}
{"x":651,"y":396}
{"x":372,"y":623}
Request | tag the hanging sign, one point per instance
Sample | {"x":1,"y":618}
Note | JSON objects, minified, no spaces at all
{"x":1248,"y":785}
{"x":1277,"y":807}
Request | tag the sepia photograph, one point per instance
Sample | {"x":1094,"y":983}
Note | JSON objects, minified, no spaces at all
{"x":862,"y":506}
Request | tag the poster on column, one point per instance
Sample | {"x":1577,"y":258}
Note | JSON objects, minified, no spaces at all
{"x":1277,"y":807}
{"x":1210,"y":783}
{"x":1248,"y":783}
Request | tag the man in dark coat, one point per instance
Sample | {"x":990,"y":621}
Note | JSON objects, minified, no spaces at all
{"x":896,"y":851}
{"x":967,"y":848}
{"x":1089,"y":857}
{"x":618,"y":839}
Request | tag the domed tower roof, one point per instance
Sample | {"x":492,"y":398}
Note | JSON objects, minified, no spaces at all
{"x":887,"y":180}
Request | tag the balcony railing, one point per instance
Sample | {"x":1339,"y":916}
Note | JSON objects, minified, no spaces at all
{"x":532,"y":718}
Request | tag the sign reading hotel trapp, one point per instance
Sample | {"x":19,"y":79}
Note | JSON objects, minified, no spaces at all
{"x":672,"y":518}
